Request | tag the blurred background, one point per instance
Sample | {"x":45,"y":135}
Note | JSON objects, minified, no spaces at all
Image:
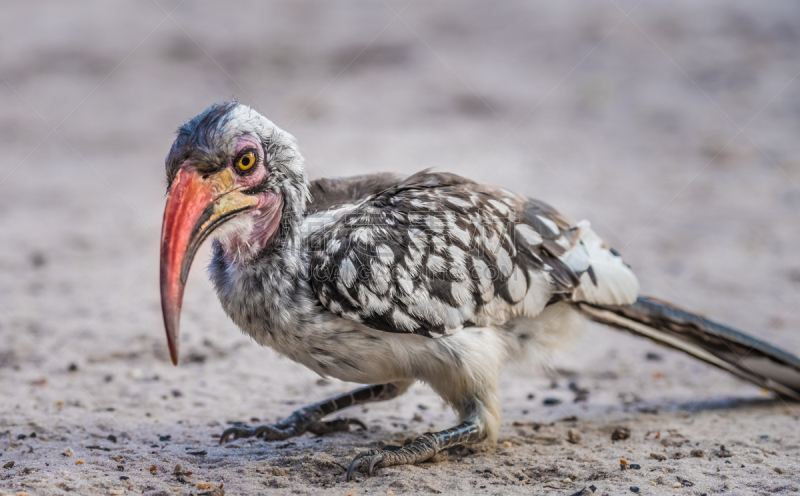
{"x":673,"y":127}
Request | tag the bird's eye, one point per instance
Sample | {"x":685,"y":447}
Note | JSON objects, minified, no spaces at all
{"x":246,"y":161}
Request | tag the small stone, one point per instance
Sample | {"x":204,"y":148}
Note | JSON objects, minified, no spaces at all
{"x":697,"y":453}
{"x":531,"y":396}
{"x":389,"y":492}
{"x":120,"y":468}
{"x":178,"y":470}
{"x":620,"y":434}
{"x":112,"y":438}
{"x":116,"y":491}
{"x":723,"y":452}
{"x":73,"y":367}
{"x":123,"y":477}
{"x":204,"y":485}
{"x":21,"y":437}
{"x":567,"y":480}
{"x":574,"y":436}
{"x":635,"y":466}
{"x":38,"y":259}
{"x":777,"y":470}
{"x":634,"y":489}
{"x":11,"y":464}
{"x":658,"y":456}
{"x":677,"y":485}
{"x":653,"y":356}
{"x":164,"y":438}
{"x":67,"y":452}
{"x":79,"y":462}
{"x":551,"y":401}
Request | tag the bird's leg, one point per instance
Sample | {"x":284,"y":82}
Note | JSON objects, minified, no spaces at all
{"x":309,"y":418}
{"x":422,"y":448}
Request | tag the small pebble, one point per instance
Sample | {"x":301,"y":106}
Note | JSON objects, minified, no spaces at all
{"x":116,"y":491}
{"x":653,"y":356}
{"x":677,"y":485}
{"x":21,"y":436}
{"x":574,"y":436}
{"x":657,"y":456}
{"x":67,"y":452}
{"x":635,"y":466}
{"x":73,"y":367}
{"x":79,"y":462}
{"x":165,"y":438}
{"x":120,"y":468}
{"x":32,"y":435}
{"x":620,"y":434}
{"x":551,"y":401}
{"x":634,"y":489}
{"x":204,"y":485}
{"x":567,"y":480}
{"x":112,"y":438}
{"x":11,"y":465}
{"x":697,"y":453}
{"x":123,"y":477}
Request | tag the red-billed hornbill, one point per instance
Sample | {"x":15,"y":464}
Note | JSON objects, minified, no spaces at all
{"x":383,"y":279}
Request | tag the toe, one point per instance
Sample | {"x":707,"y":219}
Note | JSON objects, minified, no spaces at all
{"x":373,"y":462}
{"x":356,"y":464}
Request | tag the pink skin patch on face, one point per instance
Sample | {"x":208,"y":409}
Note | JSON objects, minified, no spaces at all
{"x":265,"y":217}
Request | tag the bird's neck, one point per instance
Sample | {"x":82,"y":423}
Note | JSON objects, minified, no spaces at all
{"x":268,"y":294}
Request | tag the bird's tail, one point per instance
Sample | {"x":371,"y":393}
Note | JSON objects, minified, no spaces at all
{"x":744,"y":356}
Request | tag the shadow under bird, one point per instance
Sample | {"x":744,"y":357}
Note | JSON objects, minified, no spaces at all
{"x":384,"y":280}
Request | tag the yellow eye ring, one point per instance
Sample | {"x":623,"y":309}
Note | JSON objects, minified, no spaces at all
{"x":246,"y":161}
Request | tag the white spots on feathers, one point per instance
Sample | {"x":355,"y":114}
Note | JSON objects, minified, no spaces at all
{"x":528,"y":236}
{"x":385,"y":254}
{"x":458,"y":202}
{"x":347,"y":272}
{"x":460,"y":234}
{"x":402,"y":320}
{"x":436,"y":264}
{"x":549,"y":224}
{"x":616,"y":282}
{"x":504,"y":263}
{"x":501,"y":208}
{"x":462,"y":259}
{"x":517,"y":284}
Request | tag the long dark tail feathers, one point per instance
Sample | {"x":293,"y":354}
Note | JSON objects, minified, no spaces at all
{"x":740,"y":354}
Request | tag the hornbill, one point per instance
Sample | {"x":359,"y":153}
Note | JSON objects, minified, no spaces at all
{"x":384,"y":280}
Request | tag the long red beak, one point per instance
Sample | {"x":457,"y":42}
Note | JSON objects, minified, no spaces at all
{"x":195,"y":207}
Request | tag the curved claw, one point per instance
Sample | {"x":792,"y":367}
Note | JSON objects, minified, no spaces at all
{"x":374,"y":460}
{"x":354,"y":421}
{"x":356,"y":464}
{"x":236,"y":432}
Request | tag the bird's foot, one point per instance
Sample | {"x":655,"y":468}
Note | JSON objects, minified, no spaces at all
{"x":295,"y":425}
{"x":422,"y":448}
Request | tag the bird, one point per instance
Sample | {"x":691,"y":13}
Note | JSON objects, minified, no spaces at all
{"x":385,"y":279}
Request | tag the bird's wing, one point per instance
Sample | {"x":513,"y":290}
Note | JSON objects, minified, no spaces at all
{"x":437,"y":252}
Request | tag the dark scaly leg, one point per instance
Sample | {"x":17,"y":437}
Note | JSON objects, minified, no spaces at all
{"x":422,"y":448}
{"x":309,"y":418}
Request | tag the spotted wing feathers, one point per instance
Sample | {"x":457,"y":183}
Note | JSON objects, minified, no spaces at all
{"x":437,"y":252}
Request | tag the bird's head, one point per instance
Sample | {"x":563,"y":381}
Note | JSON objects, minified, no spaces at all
{"x":230,"y":171}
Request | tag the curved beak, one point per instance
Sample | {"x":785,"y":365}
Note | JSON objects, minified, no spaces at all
{"x":195,"y":207}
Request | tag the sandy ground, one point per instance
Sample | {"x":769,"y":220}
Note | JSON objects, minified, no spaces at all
{"x":673,"y":127}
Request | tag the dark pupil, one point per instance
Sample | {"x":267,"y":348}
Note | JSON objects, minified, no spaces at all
{"x":245,"y":161}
